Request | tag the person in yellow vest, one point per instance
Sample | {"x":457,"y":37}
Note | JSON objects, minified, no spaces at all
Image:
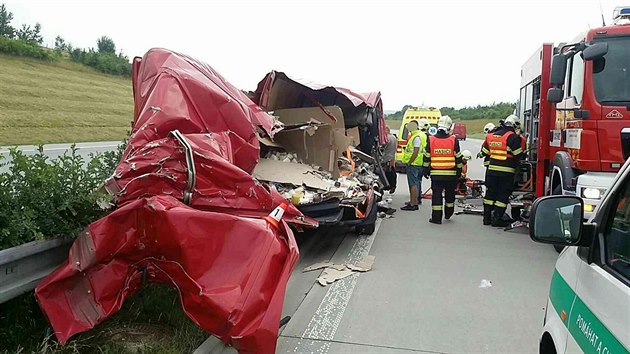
{"x":503,"y":147}
{"x":412,"y":158}
{"x":443,"y":163}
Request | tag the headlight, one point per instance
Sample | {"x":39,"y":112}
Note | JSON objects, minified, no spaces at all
{"x":592,"y":193}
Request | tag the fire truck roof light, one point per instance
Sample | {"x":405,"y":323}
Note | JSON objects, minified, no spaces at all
{"x":621,"y":15}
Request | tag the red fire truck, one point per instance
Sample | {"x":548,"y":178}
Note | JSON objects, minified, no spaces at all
{"x":575,"y":110}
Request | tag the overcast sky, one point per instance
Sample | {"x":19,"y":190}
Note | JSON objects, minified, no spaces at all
{"x":440,"y":53}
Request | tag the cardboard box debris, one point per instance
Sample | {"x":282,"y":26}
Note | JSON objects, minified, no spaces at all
{"x":364,"y":265}
{"x":354,"y":138}
{"x":333,"y":272}
{"x":289,"y":173}
{"x":331,"y":275}
{"x":316,"y":266}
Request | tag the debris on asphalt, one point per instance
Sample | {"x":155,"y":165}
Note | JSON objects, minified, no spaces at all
{"x":485,"y":284}
{"x":333,"y":272}
{"x":331,"y":275}
{"x":364,"y":265}
{"x":316,"y":266}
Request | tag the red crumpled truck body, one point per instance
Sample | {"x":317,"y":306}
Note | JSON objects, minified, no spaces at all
{"x":228,"y":263}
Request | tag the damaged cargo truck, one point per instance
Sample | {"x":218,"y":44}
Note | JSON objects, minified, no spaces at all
{"x":187,"y":212}
{"x":332,"y":138}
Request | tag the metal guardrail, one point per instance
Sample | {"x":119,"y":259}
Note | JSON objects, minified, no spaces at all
{"x":23,"y":267}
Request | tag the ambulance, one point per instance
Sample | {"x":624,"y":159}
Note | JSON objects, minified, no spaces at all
{"x":414,"y":113}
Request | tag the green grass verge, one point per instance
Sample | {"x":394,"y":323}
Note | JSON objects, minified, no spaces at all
{"x":151,"y":321}
{"x":52,"y":102}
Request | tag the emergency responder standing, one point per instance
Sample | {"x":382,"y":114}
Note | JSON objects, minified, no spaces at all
{"x":443,"y":162}
{"x":412,"y":158}
{"x":389,"y":160}
{"x":487,"y":129}
{"x":504,"y":149}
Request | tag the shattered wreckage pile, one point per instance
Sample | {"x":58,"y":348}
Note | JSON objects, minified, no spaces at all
{"x":191,"y":210}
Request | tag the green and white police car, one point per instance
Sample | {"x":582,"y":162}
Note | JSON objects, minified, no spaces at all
{"x":588,"y":309}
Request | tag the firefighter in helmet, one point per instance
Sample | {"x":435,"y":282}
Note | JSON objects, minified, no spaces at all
{"x":487,"y":129}
{"x":503,"y":147}
{"x":461,"y":182}
{"x":443,"y":162}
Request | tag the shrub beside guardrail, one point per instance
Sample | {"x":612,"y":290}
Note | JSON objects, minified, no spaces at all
{"x":43,"y":198}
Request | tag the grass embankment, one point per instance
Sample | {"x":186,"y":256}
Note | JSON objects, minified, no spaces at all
{"x":151,"y":321}
{"x":474,"y":127}
{"x":59,"y":102}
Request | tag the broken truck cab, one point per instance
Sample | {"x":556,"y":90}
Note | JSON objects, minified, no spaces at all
{"x":329,"y":147}
{"x":188,"y":213}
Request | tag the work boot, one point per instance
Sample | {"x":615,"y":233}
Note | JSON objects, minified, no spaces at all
{"x":409,"y":207}
{"x":436,"y":217}
{"x":487,"y":214}
{"x":499,"y":219}
{"x":448,"y":212}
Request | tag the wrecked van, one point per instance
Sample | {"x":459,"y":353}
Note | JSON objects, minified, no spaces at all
{"x":335,"y":134}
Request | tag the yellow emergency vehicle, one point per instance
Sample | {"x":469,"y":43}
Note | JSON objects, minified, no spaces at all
{"x":414,"y":113}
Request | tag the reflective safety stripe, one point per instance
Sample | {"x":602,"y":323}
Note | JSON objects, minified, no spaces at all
{"x":485,"y":151}
{"x":450,"y":205}
{"x":436,"y":207}
{"x":443,"y":172}
{"x":442,"y":164}
{"x":486,"y":163}
{"x":459,"y":165}
{"x":517,"y":151}
{"x":442,"y":153}
{"x":488,"y":202}
{"x":501,"y":168}
{"x":500,"y":205}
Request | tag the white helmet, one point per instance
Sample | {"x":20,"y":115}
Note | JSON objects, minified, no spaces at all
{"x":488,"y":128}
{"x":511,"y":121}
{"x":424,"y":124}
{"x":466,"y":155}
{"x":445,"y":123}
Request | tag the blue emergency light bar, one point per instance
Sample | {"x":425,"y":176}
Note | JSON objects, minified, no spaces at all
{"x":621,"y":15}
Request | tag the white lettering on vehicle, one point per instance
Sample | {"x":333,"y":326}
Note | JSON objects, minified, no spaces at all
{"x":593,"y":338}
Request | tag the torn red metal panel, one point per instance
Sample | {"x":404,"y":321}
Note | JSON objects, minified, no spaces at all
{"x":173,"y":91}
{"x":326,"y":95}
{"x":189,"y":214}
{"x":230,"y":271}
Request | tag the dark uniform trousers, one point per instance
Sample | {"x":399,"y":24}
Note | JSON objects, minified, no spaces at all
{"x":438,"y":186}
{"x":498,"y":191}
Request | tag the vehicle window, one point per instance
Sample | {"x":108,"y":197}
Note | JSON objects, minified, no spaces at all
{"x":617,"y":234}
{"x":611,"y":74}
{"x":576,"y":87}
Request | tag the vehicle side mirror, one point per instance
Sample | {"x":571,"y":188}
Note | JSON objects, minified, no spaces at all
{"x":557,"y":220}
{"x":555,"y":95}
{"x":558,"y":69}
{"x":595,"y":51}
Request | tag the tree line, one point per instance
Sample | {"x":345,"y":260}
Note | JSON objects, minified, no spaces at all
{"x":493,"y":111}
{"x":27,"y":41}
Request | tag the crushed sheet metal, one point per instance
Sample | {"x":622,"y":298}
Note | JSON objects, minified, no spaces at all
{"x":229,"y":265}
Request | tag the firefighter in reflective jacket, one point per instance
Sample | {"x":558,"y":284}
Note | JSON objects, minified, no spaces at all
{"x":487,"y":129}
{"x":443,"y":162}
{"x":504,"y":149}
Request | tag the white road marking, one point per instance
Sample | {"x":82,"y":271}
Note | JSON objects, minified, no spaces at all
{"x":326,"y":320}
